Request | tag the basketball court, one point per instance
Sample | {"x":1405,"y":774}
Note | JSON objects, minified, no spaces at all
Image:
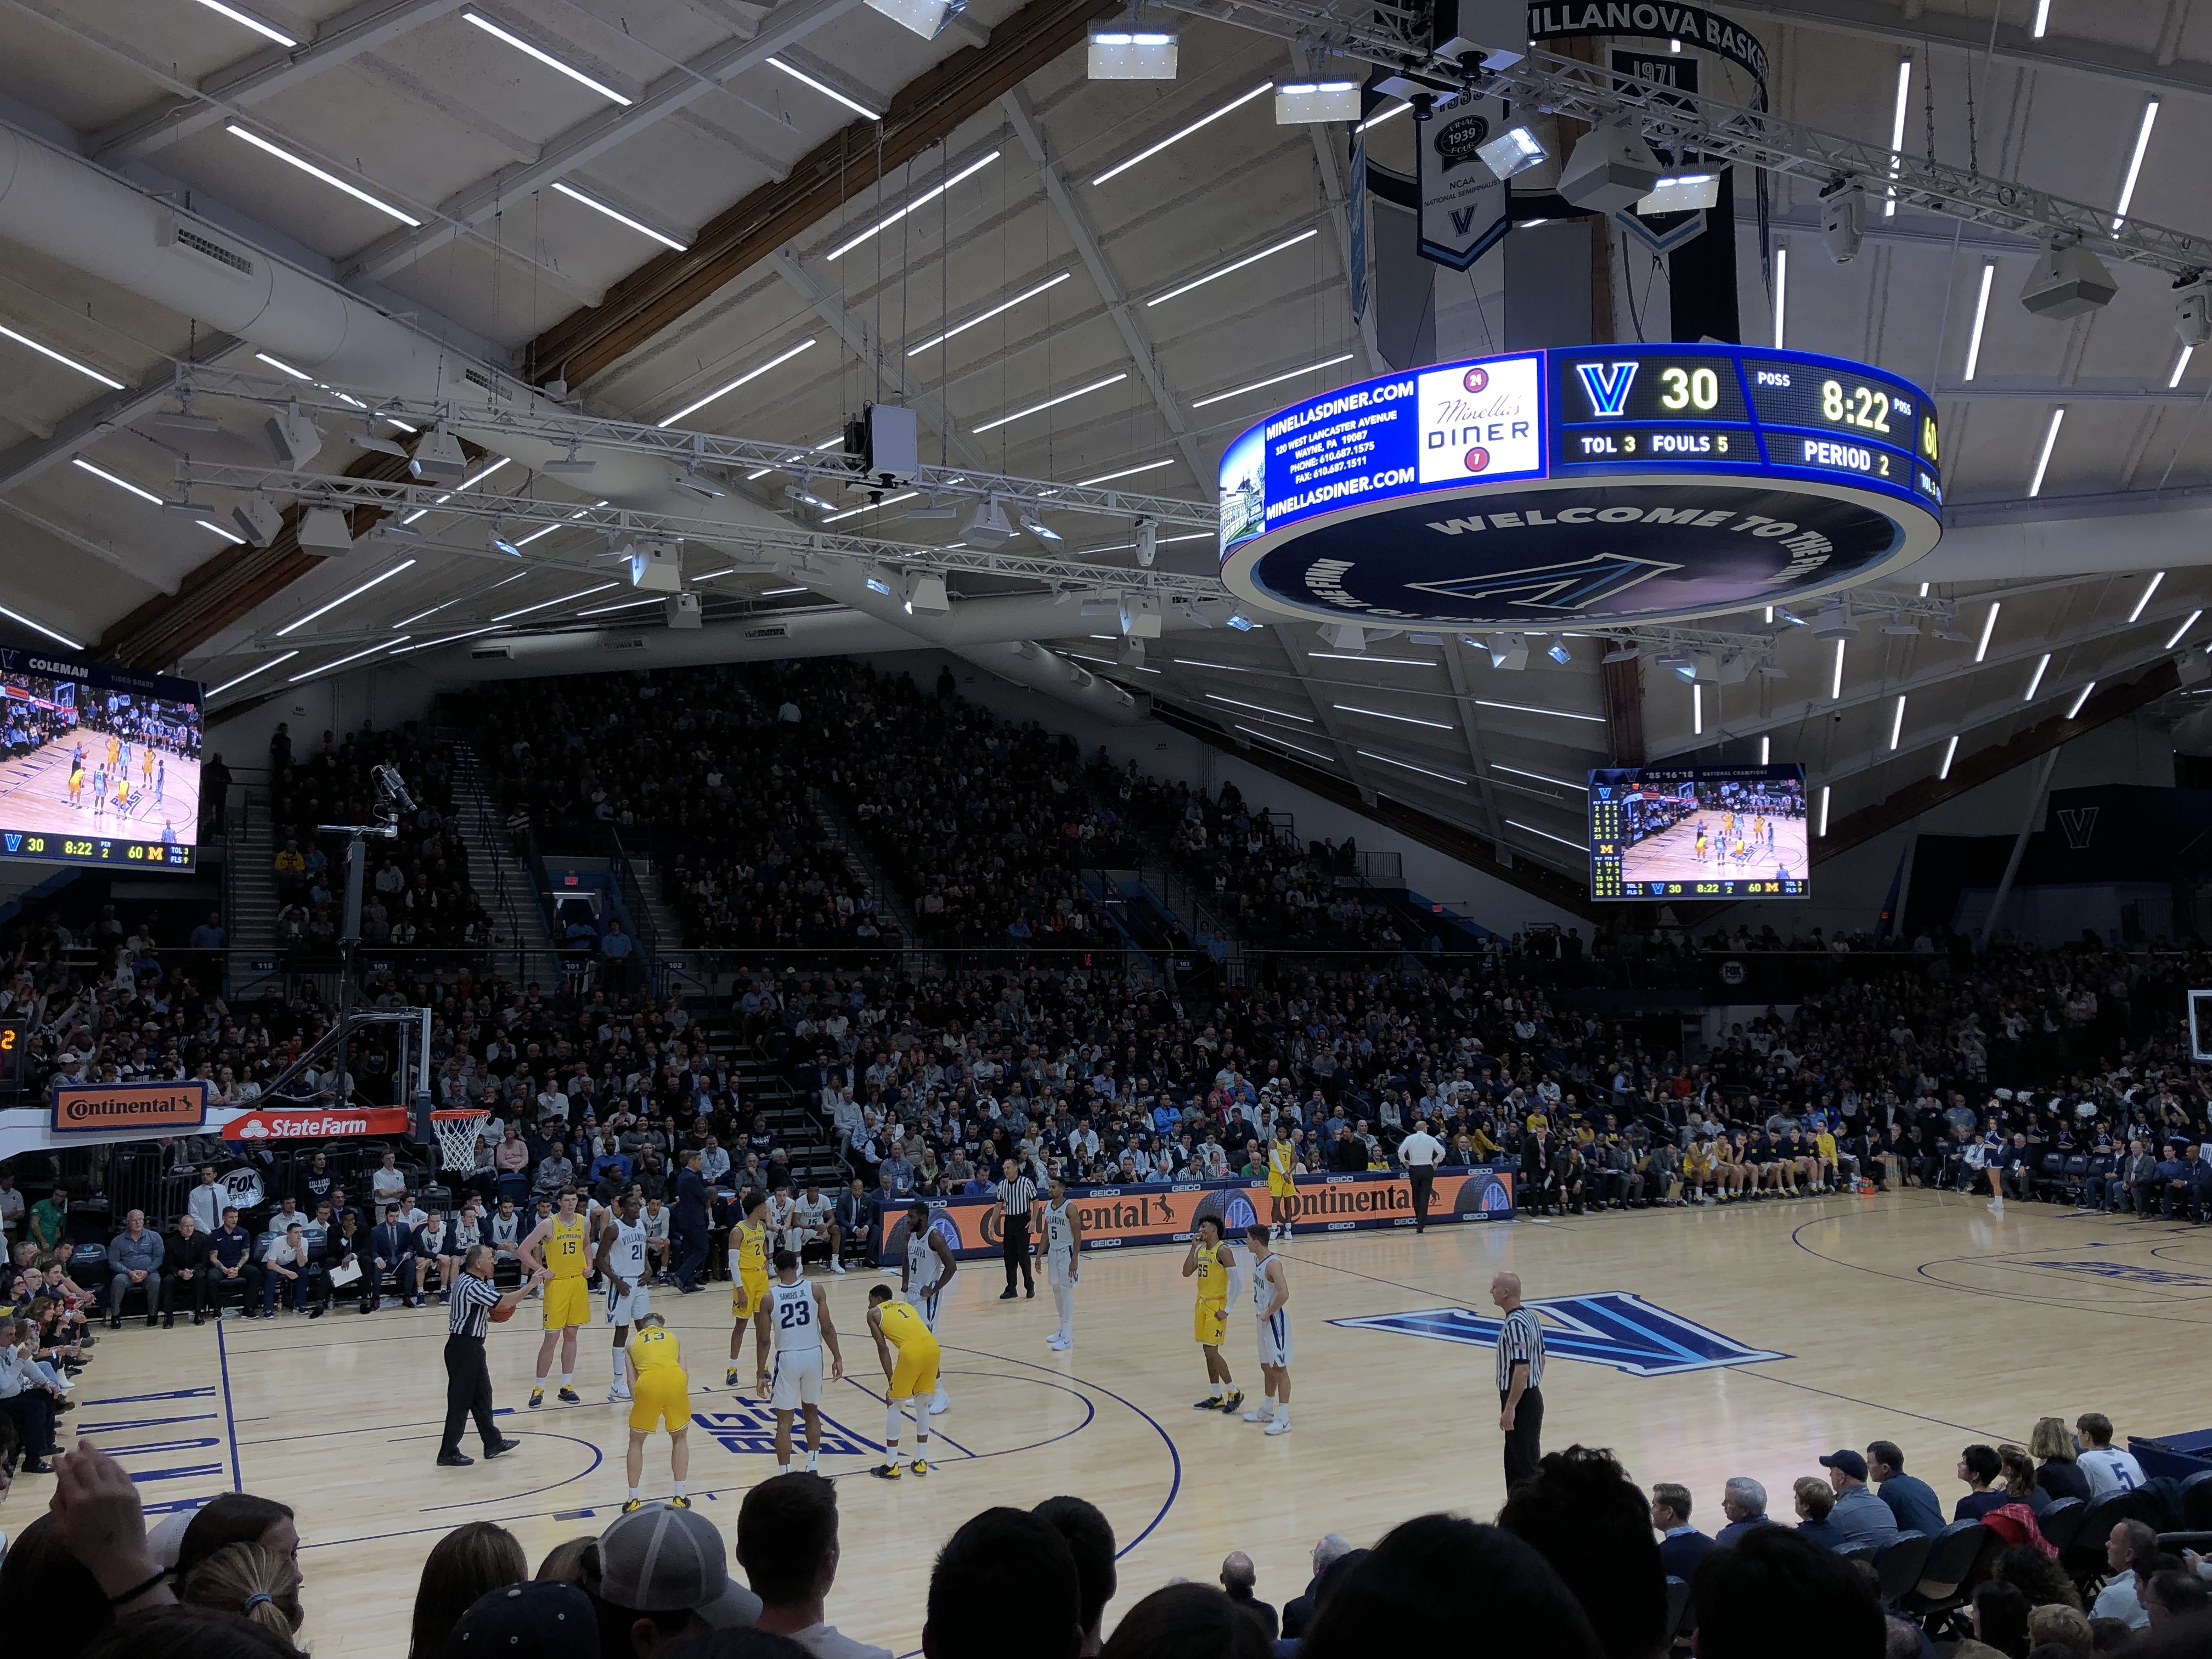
{"x":1698,"y":1344}
{"x":1672,"y":855}
{"x":35,"y":794}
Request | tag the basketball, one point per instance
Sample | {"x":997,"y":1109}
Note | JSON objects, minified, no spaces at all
{"x":501,"y":1314}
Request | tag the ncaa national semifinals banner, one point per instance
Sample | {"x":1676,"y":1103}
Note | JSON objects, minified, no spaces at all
{"x":1114,"y":1216}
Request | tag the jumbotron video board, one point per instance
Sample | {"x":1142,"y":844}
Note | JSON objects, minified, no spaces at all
{"x":1698,"y":832}
{"x":98,"y":764}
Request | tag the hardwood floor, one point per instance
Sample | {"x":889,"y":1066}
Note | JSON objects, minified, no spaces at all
{"x":1744,"y":1339}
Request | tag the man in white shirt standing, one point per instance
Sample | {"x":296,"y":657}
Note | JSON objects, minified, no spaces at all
{"x":2108,"y":1468}
{"x":1420,"y":1153}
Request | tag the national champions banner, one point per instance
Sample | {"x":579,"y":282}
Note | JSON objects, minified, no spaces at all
{"x":1116,"y":1216}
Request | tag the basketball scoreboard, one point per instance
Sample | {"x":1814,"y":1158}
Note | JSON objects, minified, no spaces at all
{"x":1696,"y":832}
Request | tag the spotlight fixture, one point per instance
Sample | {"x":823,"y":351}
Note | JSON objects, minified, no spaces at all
{"x":1680,"y":193}
{"x":1508,"y":651}
{"x":2068,"y":281}
{"x":181,"y":419}
{"x":923,"y":593}
{"x":1126,"y":54}
{"x":293,"y":438}
{"x":2193,"y":311}
{"x":1946,"y":628}
{"x":1037,"y":527}
{"x":1622,"y":651}
{"x":1139,"y":616}
{"x":258,"y":520}
{"x":1559,"y":653}
{"x":934,"y":510}
{"x":1513,"y":151}
{"x":1300,"y":102}
{"x":438,"y":458}
{"x":879,"y":581}
{"x":1834,"y":622}
{"x":364,"y":438}
{"x":1611,"y":168}
{"x":324,"y":531}
{"x":1783,"y":613}
{"x":1672,"y":660}
{"x":1901,"y":625}
{"x":691,"y":479}
{"x":1240,"y":622}
{"x":570,"y":467}
{"x":927,"y":18}
{"x":989,"y":525}
{"x":1771,"y":670}
{"x":1843,"y":219}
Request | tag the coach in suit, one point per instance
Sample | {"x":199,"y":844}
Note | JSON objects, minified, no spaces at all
{"x":689,"y":1229}
{"x":391,"y":1248}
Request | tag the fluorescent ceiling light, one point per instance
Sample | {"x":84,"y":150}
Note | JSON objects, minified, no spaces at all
{"x":210,"y":524}
{"x":620,"y":218}
{"x":750,"y":375}
{"x":1988,"y":627}
{"x":869,"y":507}
{"x":1403,"y":719}
{"x":1950,"y":754}
{"x":1518,"y":772}
{"x":824,"y":88}
{"x":1532,"y":830}
{"x":1530,"y":708}
{"x":1222,"y":667}
{"x":627,"y":605}
{"x":267,"y":30}
{"x":1038,"y":409}
{"x":1363,"y":656}
{"x":1781,"y":292}
{"x":2042,"y":18}
{"x":1897,"y":722}
{"x":2042,"y":461}
{"x":1390,"y":114}
{"x":2073,"y":710}
{"x":929,"y":195}
{"x":382,"y":645}
{"x":766,"y":593}
{"x":547,"y":604}
{"x":1679,"y":192}
{"x":1177,"y":137}
{"x":1273,"y":379}
{"x":1250,"y":258}
{"x":1300,"y":101}
{"x":1697,"y":709}
{"x":2035,"y":680}
{"x":2180,"y":367}
{"x":262,"y":668}
{"x":1126,"y":472}
{"x":1897,"y":131}
{"x":1259,"y":708}
{"x":284,"y":368}
{"x":448,"y":639}
{"x":324,"y":610}
{"x":1826,"y":791}
{"x":548,"y":529}
{"x":985,"y":317}
{"x":2135,"y":164}
{"x":85,"y":369}
{"x":405,"y":622}
{"x":1981,"y":317}
{"x":1285,"y":742}
{"x":465,"y":483}
{"x":709,"y":575}
{"x":120,"y":484}
{"x":830,"y":443}
{"x":328,"y":177}
{"x":2188,"y":623}
{"x":1836,"y":686}
{"x":1391,"y":760}
{"x":2157,"y":576}
{"x":544,"y":57}
{"x":17,"y":615}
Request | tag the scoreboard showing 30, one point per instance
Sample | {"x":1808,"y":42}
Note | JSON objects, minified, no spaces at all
{"x":1593,"y":484}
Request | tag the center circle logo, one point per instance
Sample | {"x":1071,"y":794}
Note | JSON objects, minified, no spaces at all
{"x":1477,"y":459}
{"x":1475,"y":380}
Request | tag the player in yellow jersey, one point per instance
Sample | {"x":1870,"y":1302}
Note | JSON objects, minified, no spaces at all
{"x":659,"y":1397}
{"x":1282,"y":1191}
{"x":1697,"y":847}
{"x":910,"y":1356}
{"x":749,"y":1289}
{"x":114,"y":750}
{"x":77,"y":783}
{"x":1207,"y":1262}
{"x":560,"y":1247}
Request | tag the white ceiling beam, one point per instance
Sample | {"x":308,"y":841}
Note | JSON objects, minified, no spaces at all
{"x":103,"y":414}
{"x":1334,"y":188}
{"x":1346,"y":755}
{"x":363,"y":28}
{"x":104,"y":553}
{"x":588,"y":140}
{"x":1471,"y":732}
{"x":1086,"y":238}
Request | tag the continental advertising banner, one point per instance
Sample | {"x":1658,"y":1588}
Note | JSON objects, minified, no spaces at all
{"x":1113,"y":1216}
{"x":122,"y":1111}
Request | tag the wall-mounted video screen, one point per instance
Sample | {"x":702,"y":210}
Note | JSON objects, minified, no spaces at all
{"x":1698,"y":832}
{"x":98,"y":764}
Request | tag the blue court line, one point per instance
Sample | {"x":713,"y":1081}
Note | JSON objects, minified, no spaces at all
{"x":883,"y":1400}
{"x":229,"y":1412}
{"x":140,"y":1399}
{"x":135,"y":1424}
{"x":597,"y":1458}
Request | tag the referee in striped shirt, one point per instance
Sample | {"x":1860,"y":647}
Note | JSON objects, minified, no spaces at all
{"x":1015,"y":1194}
{"x":468,"y":1379}
{"x":1520,"y":1369}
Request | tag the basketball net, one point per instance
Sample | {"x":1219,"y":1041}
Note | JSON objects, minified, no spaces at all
{"x":457,"y":1138}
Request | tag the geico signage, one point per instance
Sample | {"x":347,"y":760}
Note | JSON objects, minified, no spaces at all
{"x":316,"y":1125}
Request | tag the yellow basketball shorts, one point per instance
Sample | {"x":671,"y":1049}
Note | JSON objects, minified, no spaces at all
{"x":915,"y":1374}
{"x":662,"y":1399}
{"x":1209,"y":1322}
{"x":748,"y":1292}
{"x":567,"y":1302}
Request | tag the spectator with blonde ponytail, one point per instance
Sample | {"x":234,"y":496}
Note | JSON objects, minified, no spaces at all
{"x":256,"y":1583}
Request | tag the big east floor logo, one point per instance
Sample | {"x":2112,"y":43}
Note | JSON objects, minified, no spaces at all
{"x":1617,"y":1329}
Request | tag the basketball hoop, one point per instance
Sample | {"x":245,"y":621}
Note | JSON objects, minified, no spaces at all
{"x":457,"y":1137}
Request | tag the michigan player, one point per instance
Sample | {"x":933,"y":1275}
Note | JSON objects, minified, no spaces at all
{"x":621,"y":1264}
{"x":76,"y":781}
{"x":1270,"y":1296}
{"x":560,"y":1247}
{"x":1208,"y":1261}
{"x":660,"y":1397}
{"x":799,"y":1314}
{"x":749,"y":1289}
{"x":1282,"y":1190}
{"x":929,"y":1269}
{"x":1061,"y":1245}
{"x":899,"y":1328}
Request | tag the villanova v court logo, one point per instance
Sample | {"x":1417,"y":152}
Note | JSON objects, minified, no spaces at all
{"x":1611,"y":1328}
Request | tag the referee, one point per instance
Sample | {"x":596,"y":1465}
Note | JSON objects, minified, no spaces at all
{"x":1015,"y":1194}
{"x":1420,"y":1153}
{"x":1520,"y":1369}
{"x":468,"y":1380}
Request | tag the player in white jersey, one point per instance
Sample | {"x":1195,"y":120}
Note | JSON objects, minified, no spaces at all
{"x":782,"y":1220}
{"x":798,"y":1313}
{"x":1061,"y":1245}
{"x":621,"y":1265}
{"x":923,"y":1279}
{"x":817,"y":1218}
{"x":1270,"y":1296}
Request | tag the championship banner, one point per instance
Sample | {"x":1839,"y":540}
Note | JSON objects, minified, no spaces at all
{"x":1113,"y":1216}
{"x":122,"y":1111}
{"x":314,"y":1123}
{"x":1464,"y":209}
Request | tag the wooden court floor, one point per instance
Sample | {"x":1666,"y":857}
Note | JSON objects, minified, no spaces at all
{"x":1745,"y":1339}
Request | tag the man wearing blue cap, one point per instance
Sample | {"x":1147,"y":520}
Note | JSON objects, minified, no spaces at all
{"x":1859,"y":1514}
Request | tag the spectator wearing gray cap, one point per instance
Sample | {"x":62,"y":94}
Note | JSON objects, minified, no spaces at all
{"x":663,"y":1573}
{"x":543,"y":1620}
{"x":1859,"y":1514}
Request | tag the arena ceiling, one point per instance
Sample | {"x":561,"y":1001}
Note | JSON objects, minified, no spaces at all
{"x":655,"y":201}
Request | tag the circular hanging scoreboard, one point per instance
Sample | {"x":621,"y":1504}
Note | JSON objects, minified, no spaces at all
{"x":1586,"y":485}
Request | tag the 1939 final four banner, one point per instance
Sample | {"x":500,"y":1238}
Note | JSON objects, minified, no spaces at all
{"x":1116,"y":1216}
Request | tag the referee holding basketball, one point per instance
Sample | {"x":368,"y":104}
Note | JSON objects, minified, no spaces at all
{"x":1520,"y":1369}
{"x":474,"y":1303}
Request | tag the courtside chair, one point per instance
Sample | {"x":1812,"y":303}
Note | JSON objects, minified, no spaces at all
{"x":1952,"y":1554}
{"x":2061,"y":1521}
{"x":1901,"y":1564}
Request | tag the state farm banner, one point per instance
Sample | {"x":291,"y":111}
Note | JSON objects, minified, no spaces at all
{"x":1113,"y":1216}
{"x":316,"y":1123}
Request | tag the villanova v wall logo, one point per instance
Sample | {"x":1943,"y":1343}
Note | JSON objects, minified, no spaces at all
{"x":1607,"y":385}
{"x":1610,"y":1327}
{"x":2080,"y":824}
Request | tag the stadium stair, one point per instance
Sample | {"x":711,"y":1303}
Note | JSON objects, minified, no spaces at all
{"x":841,"y":836}
{"x":508,"y":894}
{"x":250,"y":921}
{"x":763,"y":1086}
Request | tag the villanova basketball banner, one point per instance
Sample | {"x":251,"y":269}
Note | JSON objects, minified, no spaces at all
{"x":1167,"y":1214}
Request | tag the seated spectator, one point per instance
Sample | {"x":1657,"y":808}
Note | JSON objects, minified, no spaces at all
{"x":258,"y":1584}
{"x":1912,"y":1500}
{"x":184,"y":1271}
{"x":1681,"y":1545}
{"x":1298,"y":1610}
{"x":287,"y":1263}
{"x":1982,"y":1469}
{"x":548,"y":1620}
{"x":2000,"y":1623}
{"x":134,"y":1265}
{"x":1743,"y":1500}
{"x":466,"y":1565}
{"x":230,"y":1262}
{"x":2058,"y":1470}
{"x":2036,"y":1574}
{"x":1858,"y":1513}
{"x":2018,"y":1479}
{"x":1004,"y":1569}
{"x":2127,"y":1544}
{"x":1586,"y":1517}
{"x":1776,"y":1592}
{"x":1189,"y":1621}
{"x":2173,"y":1593}
{"x":660,"y":1574}
{"x":238,"y":1517}
{"x":787,"y":1542}
{"x":26,"y":1402}
{"x":1816,"y":1499}
{"x":2054,"y":1625}
{"x":1238,"y":1579}
{"x":1401,"y":1597}
{"x":2107,"y":1467}
{"x":1089,"y":1539}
